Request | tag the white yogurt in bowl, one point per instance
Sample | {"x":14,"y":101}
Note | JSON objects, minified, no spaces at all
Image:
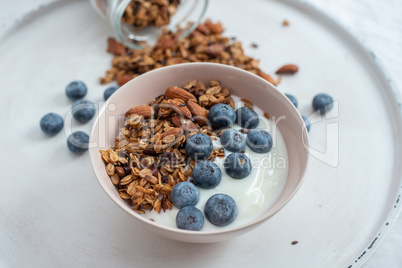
{"x":254,"y":194}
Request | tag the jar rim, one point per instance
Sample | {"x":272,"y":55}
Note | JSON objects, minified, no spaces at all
{"x":129,"y":39}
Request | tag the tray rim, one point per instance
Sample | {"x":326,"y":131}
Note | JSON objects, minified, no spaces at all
{"x":370,"y":56}
{"x":381,"y":72}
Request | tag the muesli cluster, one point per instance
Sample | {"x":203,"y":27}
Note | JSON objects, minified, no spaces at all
{"x":205,"y":44}
{"x":144,"y":13}
{"x":149,"y":157}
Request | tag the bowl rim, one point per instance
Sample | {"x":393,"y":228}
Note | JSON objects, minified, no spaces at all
{"x":94,"y":153}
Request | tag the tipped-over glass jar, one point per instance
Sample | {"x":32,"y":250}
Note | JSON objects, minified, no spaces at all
{"x":138,"y":21}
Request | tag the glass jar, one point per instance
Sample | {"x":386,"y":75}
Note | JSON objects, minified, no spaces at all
{"x":188,"y":15}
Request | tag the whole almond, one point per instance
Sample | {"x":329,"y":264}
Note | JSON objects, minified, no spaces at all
{"x":267,"y":77}
{"x":288,"y":69}
{"x":145,"y":110}
{"x":185,"y":124}
{"x":115,"y":47}
{"x":177,"y":132}
{"x":176,"y":120}
{"x":188,"y":125}
{"x":123,"y":79}
{"x":180,"y":108}
{"x":178,"y":93}
{"x":198,"y":112}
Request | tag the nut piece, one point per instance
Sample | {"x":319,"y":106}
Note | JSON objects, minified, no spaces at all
{"x":267,"y":77}
{"x":145,"y":110}
{"x":178,"y":93}
{"x":180,"y":108}
{"x":185,"y":124}
{"x":215,"y":49}
{"x":115,"y":47}
{"x":215,"y":28}
{"x":287,"y":69}
{"x":120,"y":171}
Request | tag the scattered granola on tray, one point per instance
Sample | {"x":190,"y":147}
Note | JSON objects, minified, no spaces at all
{"x":149,"y":156}
{"x":144,"y":13}
{"x":205,"y":44}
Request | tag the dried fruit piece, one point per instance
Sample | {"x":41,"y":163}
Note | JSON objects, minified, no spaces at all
{"x":288,"y":69}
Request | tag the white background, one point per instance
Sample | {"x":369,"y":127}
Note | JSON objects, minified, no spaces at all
{"x":378,"y":24}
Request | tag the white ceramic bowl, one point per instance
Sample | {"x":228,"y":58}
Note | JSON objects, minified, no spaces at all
{"x":241,"y":83}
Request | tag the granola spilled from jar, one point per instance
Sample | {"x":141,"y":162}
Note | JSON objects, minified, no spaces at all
{"x":149,"y":155}
{"x":205,"y":44}
{"x":144,"y":13}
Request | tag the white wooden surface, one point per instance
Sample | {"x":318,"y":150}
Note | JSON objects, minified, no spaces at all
{"x":377,"y":23}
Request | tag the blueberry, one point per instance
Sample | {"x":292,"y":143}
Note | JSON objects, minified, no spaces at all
{"x":220,"y":210}
{"x":292,"y":99}
{"x":199,"y":146}
{"x":237,"y":165}
{"x":323,"y":103}
{"x":184,"y":194}
{"x":83,"y":110}
{"x":307,"y":122}
{"x":207,"y":174}
{"x":190,"y":218}
{"x":77,"y":142}
{"x":259,"y":140}
{"x":109,"y":91}
{"x":247,"y":118}
{"x":76,"y":90}
{"x":221,"y":116}
{"x":233,"y":140}
{"x":51,"y":124}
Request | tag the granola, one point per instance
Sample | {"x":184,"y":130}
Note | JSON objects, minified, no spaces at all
{"x":144,"y":13}
{"x":205,"y":44}
{"x":149,"y":155}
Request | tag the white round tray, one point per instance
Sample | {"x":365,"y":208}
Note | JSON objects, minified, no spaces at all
{"x":53,"y":212}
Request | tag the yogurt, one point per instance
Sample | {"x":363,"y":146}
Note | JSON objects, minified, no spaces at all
{"x":254,"y":194}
